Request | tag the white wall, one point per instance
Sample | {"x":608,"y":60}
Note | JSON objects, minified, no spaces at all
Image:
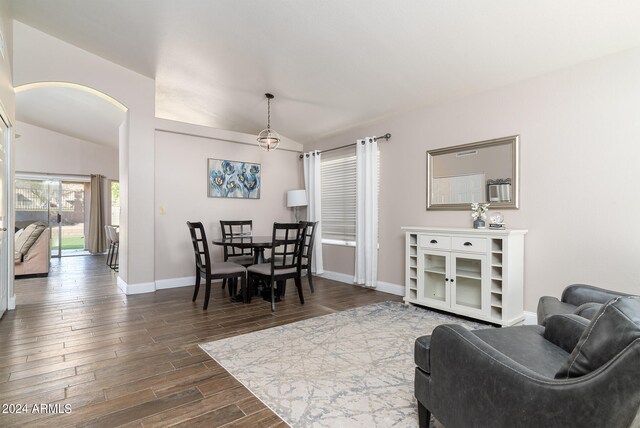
{"x":181,"y":154}
{"x":579,"y":131}
{"x":42,"y":150}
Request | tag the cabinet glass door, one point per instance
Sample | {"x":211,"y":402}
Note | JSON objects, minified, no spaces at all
{"x":435,"y":274}
{"x":467,"y":274}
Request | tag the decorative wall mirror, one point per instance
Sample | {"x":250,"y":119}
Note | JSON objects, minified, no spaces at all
{"x":486,"y":172}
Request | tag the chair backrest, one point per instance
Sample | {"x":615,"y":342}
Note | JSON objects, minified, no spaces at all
{"x":107,"y":234}
{"x":233,"y":229}
{"x":287,"y":242}
{"x":307,"y":244}
{"x":200,"y":245}
{"x":114,"y":235}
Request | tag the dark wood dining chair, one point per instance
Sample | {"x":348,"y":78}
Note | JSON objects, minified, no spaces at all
{"x":234,"y":229}
{"x":212,"y":271}
{"x":307,"y":249}
{"x":286,"y":253}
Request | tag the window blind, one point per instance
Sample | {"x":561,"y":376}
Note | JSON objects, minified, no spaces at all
{"x":338,"y":194}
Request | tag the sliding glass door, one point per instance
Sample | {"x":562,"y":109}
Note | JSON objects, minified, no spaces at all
{"x":60,"y":204}
{"x":72,"y":219}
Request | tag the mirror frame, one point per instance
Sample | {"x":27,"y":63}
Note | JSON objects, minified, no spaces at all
{"x":513,"y":140}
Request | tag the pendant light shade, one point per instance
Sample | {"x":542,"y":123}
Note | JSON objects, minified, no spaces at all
{"x":268,"y":139}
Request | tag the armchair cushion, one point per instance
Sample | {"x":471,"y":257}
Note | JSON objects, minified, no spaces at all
{"x":613,"y":328}
{"x":526,"y":346}
{"x":565,"y":330}
{"x":588,"y":310}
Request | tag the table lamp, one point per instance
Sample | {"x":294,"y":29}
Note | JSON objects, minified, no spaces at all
{"x":297,"y":199}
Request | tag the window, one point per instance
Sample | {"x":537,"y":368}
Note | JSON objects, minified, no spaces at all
{"x":338,"y":198}
{"x":115,"y":203}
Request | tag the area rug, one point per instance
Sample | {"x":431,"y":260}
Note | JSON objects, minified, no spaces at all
{"x":348,"y":369}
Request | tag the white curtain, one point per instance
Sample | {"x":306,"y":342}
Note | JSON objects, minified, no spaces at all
{"x":366,"y":269}
{"x":314,"y":211}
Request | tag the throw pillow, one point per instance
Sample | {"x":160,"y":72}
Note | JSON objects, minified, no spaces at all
{"x":25,"y":240}
{"x":612,"y":329}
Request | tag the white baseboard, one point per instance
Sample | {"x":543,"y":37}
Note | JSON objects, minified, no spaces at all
{"x":185,"y":281}
{"x":11,"y":304}
{"x":160,"y":284}
{"x":388,"y":287}
{"x":385,"y":287}
{"x":143,"y":287}
{"x":530,"y":318}
{"x":337,"y":276}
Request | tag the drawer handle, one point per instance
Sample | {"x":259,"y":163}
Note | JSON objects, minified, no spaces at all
{"x":468,"y":244}
{"x":433,"y":241}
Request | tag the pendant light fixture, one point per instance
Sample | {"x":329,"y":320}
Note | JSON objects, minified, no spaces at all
{"x":268,"y":139}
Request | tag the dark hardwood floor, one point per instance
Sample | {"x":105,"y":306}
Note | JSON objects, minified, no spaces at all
{"x":116,"y":360}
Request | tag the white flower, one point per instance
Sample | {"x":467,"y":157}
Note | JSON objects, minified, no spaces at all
{"x":479,"y":210}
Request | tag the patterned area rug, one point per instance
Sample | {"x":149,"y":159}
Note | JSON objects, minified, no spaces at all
{"x":348,"y":369}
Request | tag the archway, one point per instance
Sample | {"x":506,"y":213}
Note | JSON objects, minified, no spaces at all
{"x":67,"y":132}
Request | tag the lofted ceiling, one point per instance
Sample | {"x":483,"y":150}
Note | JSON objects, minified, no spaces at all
{"x":72,"y":110}
{"x":331,"y":64}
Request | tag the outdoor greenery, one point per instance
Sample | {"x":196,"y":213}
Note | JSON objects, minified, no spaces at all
{"x":73,"y":242}
{"x":115,"y":191}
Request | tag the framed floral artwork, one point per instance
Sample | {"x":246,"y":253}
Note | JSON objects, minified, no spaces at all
{"x":233,"y":179}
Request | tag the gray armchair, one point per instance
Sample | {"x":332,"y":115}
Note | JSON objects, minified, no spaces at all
{"x":580,"y":299}
{"x":571,"y":373}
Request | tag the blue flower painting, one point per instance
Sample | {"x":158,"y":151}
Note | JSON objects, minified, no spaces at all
{"x":231,"y":179}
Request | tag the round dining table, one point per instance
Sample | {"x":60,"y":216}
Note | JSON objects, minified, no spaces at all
{"x":257,"y":244}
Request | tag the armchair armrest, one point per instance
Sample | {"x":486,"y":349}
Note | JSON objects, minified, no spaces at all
{"x":549,"y":306}
{"x":491,"y":389}
{"x":578,"y":294}
{"x":565,"y":330}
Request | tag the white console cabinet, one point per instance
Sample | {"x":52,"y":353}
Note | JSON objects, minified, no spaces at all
{"x":477,"y":273}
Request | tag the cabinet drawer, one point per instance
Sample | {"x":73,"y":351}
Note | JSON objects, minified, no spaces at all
{"x":435,"y":242}
{"x":473,"y":245}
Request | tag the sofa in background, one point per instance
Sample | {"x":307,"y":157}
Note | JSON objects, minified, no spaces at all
{"x":571,"y":373}
{"x":32,"y":250}
{"x":579,"y":299}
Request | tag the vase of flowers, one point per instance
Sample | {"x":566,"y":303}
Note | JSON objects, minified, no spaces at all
{"x":479,"y":214}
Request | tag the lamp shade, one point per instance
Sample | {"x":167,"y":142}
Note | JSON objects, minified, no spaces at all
{"x":297,"y":198}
